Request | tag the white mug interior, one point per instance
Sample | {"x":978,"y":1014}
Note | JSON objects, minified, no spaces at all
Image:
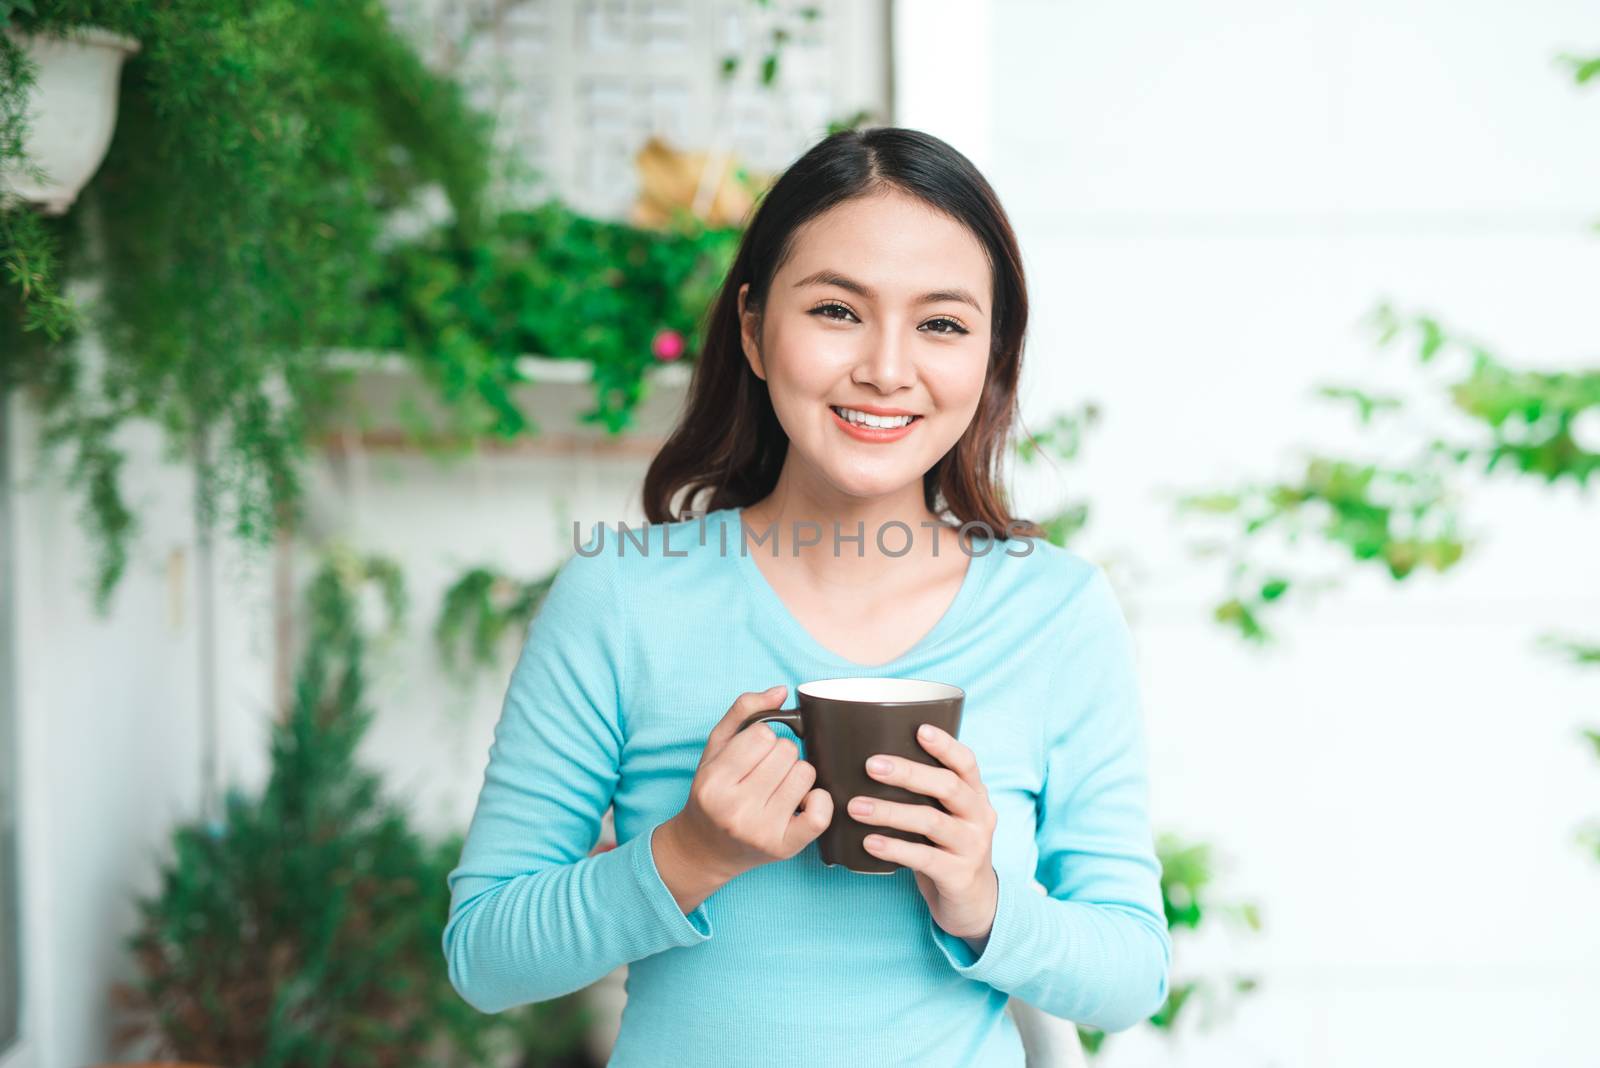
{"x":879,"y":690}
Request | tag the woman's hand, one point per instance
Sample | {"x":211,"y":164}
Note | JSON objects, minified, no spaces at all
{"x":956,"y":874}
{"x":741,"y":811}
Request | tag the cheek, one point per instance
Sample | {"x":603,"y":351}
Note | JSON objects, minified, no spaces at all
{"x":801,"y":376}
{"x":956,"y":386}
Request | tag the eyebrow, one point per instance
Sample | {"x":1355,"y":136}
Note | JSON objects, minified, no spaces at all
{"x":826,"y":277}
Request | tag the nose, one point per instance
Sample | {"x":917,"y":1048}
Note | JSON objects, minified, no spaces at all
{"x":887,"y":363}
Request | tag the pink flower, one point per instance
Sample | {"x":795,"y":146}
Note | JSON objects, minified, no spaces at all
{"x":668,"y":345}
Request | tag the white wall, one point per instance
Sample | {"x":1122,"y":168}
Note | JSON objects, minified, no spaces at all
{"x":1209,"y":198}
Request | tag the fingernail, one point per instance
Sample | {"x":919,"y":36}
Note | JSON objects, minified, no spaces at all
{"x":925,"y":731}
{"x":878,"y":764}
{"x":860,"y":807}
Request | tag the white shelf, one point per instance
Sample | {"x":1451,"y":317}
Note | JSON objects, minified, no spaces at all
{"x":388,"y":376}
{"x":546,"y":370}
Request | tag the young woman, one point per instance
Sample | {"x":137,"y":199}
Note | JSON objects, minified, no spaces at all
{"x":848,"y":418}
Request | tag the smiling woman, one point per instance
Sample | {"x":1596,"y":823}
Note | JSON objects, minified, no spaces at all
{"x":860,"y":374}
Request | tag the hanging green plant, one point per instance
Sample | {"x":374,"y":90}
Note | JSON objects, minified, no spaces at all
{"x":479,"y":609}
{"x":261,"y":148}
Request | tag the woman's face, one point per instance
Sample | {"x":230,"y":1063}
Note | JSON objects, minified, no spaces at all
{"x":882,"y":305}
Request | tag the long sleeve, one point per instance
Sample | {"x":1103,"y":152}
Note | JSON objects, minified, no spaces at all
{"x":532,"y":915}
{"x":1095,"y":949}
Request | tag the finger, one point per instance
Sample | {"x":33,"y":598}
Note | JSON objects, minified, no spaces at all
{"x":945,"y":830}
{"x":952,"y":753}
{"x":769,"y":771}
{"x":937,"y":864}
{"x":748,"y":750}
{"x":942,"y":784}
{"x":813,"y":819}
{"x":743,"y":753}
{"x":799,"y":780}
{"x":745,"y":705}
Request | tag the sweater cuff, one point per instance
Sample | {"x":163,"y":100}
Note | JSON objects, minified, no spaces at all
{"x":682,"y":929}
{"x":1004,"y":963}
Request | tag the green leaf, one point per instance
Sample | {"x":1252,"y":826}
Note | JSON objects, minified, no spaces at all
{"x":1179,"y":994}
{"x":1366,"y":405}
{"x":1583,"y":68}
{"x":1210,"y":502}
{"x":1432,"y":338}
{"x":1234,"y":613}
{"x":1386,"y":322}
{"x":1091,"y":1039}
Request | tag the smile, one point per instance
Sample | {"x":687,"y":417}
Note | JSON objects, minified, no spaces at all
{"x":876,"y":428}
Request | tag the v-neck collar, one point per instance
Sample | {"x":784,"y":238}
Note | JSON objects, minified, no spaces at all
{"x":778,"y":612}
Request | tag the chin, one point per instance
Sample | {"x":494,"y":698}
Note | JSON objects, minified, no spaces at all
{"x":867,"y":486}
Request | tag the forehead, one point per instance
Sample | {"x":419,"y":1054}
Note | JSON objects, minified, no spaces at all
{"x":894,"y":243}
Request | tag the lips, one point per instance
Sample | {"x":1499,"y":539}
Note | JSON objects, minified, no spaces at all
{"x":875,"y":435}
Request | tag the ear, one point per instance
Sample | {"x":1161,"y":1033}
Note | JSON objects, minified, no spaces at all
{"x":749,"y":325}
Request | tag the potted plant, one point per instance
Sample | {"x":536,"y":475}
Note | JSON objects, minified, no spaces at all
{"x":71,"y":109}
{"x":303,"y":927}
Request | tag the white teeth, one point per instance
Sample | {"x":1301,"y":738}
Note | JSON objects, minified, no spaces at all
{"x":882,"y":422}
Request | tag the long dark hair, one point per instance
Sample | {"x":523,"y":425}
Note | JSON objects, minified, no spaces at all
{"x":729,"y":440}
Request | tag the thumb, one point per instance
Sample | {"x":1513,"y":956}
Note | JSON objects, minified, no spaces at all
{"x":816,"y":813}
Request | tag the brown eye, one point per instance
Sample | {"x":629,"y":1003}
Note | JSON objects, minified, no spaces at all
{"x":956,"y":328}
{"x":827,"y":307}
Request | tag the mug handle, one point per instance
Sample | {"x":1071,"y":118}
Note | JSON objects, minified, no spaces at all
{"x":790,"y":718}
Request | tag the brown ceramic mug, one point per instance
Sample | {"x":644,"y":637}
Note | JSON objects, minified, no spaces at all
{"x":841,"y":722}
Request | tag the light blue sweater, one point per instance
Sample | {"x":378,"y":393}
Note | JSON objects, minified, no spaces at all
{"x":628,"y":664}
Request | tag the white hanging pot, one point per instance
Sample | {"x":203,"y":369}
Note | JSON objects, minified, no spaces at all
{"x":72,"y":108}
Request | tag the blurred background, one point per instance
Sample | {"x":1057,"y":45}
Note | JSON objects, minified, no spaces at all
{"x":321,"y":324}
